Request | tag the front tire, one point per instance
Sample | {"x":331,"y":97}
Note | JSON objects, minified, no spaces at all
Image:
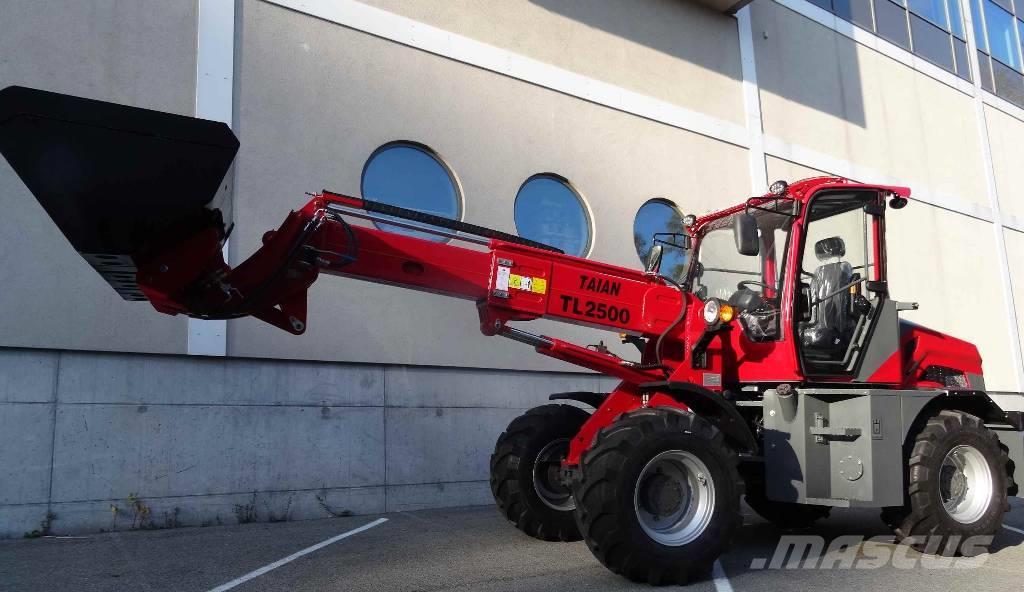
{"x":658,"y":496}
{"x":957,"y":485}
{"x":525,"y":472}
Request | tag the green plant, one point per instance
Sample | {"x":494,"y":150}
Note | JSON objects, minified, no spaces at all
{"x":171,"y":518}
{"x":140,"y":511}
{"x":321,"y":498}
{"x":282,"y":517}
{"x":246,"y":513}
{"x":44,"y":527}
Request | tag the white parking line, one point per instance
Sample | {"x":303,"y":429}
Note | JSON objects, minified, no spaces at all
{"x":258,"y":572}
{"x":1016,"y":530}
{"x":721,"y":580}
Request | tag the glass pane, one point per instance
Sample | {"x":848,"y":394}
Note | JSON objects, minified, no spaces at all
{"x":979,"y":31}
{"x":892,"y":23}
{"x":659,"y":215}
{"x":826,"y":4}
{"x":722,"y":267}
{"x":1001,"y":39}
{"x":855,"y":11}
{"x":956,"y":20}
{"x":1020,"y":27}
{"x":985,"y":72}
{"x":547,"y":210}
{"x":963,"y":67}
{"x":1006,"y":4}
{"x":410,"y":176}
{"x":933,"y":10}
{"x":931,"y":42}
{"x":1009,"y":83}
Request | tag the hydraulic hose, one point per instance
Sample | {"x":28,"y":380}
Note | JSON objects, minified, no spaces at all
{"x":673,"y":325}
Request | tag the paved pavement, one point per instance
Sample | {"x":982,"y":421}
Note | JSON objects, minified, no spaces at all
{"x":466,"y":549}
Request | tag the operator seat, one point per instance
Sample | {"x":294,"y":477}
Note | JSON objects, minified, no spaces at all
{"x":828,"y":333}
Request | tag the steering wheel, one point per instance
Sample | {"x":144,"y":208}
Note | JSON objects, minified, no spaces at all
{"x":743,"y":285}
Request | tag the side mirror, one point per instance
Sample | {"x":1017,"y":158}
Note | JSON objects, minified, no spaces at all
{"x":653,"y":263}
{"x":744,"y":228}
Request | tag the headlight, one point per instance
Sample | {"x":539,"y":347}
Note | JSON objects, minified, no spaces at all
{"x":711,"y":309}
{"x":715,"y":310}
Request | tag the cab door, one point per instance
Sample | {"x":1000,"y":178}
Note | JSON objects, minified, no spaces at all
{"x":846,"y":326}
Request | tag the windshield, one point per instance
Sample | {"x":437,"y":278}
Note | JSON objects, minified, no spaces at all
{"x":721,"y":271}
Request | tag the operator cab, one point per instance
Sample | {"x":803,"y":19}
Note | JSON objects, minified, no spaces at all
{"x":837,"y":286}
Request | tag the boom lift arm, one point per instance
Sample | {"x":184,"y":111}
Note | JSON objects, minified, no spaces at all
{"x":510,"y":279}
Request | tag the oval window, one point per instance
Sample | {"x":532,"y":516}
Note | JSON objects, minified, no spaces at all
{"x":655,"y":216}
{"x":411,"y":176}
{"x":549,"y":210}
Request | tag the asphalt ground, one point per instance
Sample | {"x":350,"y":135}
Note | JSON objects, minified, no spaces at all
{"x":466,"y":549}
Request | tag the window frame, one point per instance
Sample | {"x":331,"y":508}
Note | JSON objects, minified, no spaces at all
{"x":675,"y":208}
{"x":588,"y":215}
{"x":460,"y":196}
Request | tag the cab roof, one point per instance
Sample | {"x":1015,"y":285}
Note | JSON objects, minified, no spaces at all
{"x":800,"y":191}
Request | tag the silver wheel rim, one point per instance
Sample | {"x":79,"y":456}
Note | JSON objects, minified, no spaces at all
{"x":545,"y":476}
{"x":674,"y":498}
{"x":965,"y":484}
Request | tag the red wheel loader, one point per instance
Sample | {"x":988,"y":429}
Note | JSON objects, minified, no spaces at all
{"x":773,"y":366}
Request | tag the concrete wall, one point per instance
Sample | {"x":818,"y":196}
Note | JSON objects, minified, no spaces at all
{"x":194,"y":438}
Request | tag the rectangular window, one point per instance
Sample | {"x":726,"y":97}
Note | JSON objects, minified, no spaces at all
{"x":985,"y":72}
{"x":1001,"y":38}
{"x":931,"y":42}
{"x":963,"y":67}
{"x":857,"y":12}
{"x":956,"y":20}
{"x":1009,"y":83}
{"x":1005,"y":4}
{"x":933,"y":10}
{"x":826,"y":4}
{"x":892,"y":23}
{"x":1020,"y":29}
{"x":979,"y":31}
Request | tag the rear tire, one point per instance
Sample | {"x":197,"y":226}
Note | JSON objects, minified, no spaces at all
{"x":957,"y":486}
{"x":658,"y":496}
{"x":524,"y":472}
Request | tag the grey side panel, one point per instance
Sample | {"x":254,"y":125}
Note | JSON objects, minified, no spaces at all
{"x":1014,"y":442}
{"x":839,"y":447}
{"x":883,"y":342}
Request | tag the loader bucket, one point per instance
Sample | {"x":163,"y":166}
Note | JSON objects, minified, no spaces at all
{"x":120,"y":182}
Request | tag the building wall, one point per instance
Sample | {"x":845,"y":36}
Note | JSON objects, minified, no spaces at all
{"x":136,"y":53}
{"x":392,"y":399}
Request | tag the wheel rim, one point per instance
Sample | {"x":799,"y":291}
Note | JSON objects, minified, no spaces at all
{"x":965,"y":484}
{"x":546,"y":481}
{"x":674,"y":498}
